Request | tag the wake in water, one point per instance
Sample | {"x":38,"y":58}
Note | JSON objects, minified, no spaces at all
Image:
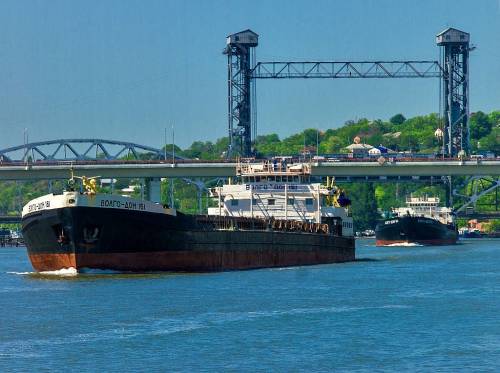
{"x":85,"y":274}
{"x":403,"y":244}
{"x":64,"y":272}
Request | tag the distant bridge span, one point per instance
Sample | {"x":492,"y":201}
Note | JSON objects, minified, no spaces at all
{"x":81,"y":149}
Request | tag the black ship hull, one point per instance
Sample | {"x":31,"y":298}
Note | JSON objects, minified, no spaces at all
{"x":413,"y":229}
{"x":108,"y":238}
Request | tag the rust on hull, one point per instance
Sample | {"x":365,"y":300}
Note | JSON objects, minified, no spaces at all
{"x":186,"y":261}
{"x":52,"y":262}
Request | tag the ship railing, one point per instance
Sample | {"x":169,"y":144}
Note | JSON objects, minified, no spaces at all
{"x":425,"y":198}
{"x":231,"y":223}
{"x":247,"y":168}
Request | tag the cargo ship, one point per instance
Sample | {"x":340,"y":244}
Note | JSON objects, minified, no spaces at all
{"x":270,"y":216}
{"x":422,"y":222}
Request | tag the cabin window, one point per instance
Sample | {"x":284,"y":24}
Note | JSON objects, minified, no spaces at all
{"x":309,"y":201}
{"x":234,"y":202}
{"x":254,"y":201}
{"x":271,"y":202}
{"x":257,"y":179}
{"x":291,"y":201}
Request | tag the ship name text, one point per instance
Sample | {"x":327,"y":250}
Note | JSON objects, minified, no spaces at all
{"x":128,"y":205}
{"x":39,"y":206}
{"x":272,"y":187}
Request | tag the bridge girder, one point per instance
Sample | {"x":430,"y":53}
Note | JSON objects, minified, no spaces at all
{"x":347,"y":69}
{"x":161,"y":168}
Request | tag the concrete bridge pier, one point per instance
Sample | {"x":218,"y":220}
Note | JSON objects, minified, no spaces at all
{"x":153,"y":189}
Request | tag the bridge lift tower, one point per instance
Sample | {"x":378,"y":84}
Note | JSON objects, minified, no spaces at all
{"x":455,"y":64}
{"x":243,"y":72}
{"x":240,"y":50}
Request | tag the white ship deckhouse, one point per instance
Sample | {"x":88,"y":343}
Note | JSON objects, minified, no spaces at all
{"x":277,"y":190}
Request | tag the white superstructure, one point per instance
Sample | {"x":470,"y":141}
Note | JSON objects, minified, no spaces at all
{"x":276,"y":189}
{"x":427,"y":207}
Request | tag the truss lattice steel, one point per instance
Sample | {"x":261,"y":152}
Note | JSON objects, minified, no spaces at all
{"x":475,"y":187}
{"x":346,"y":69}
{"x":455,"y":62}
{"x":81,"y":149}
{"x":240,"y":51}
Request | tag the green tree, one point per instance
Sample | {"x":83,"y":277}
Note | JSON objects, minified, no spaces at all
{"x":267,"y":144}
{"x":386,"y":196}
{"x":479,"y":125}
{"x":364,"y":205}
{"x":332,"y":144}
{"x":491,"y":142}
{"x":168,"y":147}
{"x":494,"y":118}
{"x":397,"y":119}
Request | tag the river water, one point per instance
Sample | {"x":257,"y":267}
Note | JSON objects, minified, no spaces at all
{"x":397,"y":308}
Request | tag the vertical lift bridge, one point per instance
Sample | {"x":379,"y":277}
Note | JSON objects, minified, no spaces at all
{"x":243,"y":71}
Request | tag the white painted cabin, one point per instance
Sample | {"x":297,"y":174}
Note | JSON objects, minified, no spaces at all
{"x":281,"y":191}
{"x":427,"y":207}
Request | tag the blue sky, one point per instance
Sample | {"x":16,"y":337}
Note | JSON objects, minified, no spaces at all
{"x":125,"y":70}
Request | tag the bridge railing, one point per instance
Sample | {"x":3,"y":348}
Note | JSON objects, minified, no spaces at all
{"x":325,"y":160}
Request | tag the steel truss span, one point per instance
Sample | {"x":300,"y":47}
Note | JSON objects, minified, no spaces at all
{"x":344,"y":69}
{"x":475,"y":187}
{"x":81,"y":149}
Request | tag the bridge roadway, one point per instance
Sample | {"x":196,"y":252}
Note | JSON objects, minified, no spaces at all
{"x":192,"y":169}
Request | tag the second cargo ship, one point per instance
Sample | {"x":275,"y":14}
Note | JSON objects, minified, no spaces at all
{"x":422,"y":222}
